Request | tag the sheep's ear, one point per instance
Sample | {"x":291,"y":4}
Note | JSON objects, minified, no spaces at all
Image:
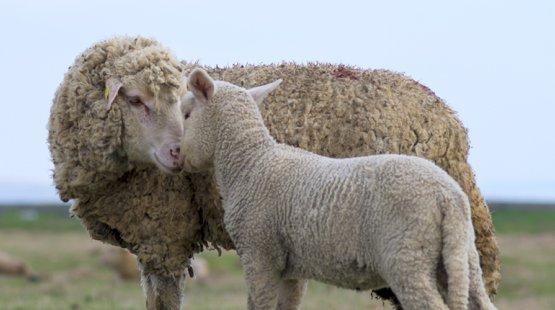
{"x":259,"y":93}
{"x":201,"y":84}
{"x":113,"y":85}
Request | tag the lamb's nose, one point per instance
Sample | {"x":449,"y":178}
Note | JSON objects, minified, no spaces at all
{"x":174,"y":152}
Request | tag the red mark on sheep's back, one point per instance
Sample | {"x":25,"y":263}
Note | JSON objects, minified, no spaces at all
{"x":426,"y":89}
{"x":343,"y":72}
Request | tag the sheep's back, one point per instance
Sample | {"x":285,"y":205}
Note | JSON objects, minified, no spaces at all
{"x":342,"y":111}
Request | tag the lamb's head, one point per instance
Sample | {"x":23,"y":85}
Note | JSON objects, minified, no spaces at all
{"x":203,"y":111}
{"x":117,"y":108}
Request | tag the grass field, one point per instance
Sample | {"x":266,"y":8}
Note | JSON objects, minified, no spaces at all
{"x":74,"y":278}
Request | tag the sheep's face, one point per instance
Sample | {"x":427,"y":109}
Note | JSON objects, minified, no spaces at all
{"x":153,"y":125}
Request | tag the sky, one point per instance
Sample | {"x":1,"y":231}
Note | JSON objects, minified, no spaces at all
{"x":491,"y":61}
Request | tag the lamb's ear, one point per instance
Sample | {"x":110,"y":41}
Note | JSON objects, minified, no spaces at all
{"x":111,"y":90}
{"x":259,"y":93}
{"x":201,"y":84}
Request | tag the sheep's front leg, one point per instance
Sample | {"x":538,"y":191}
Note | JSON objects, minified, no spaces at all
{"x":290,"y":294}
{"x":162,"y":292}
{"x":262,"y":282}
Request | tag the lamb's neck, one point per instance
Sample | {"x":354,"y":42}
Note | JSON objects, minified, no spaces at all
{"x":243,"y":139}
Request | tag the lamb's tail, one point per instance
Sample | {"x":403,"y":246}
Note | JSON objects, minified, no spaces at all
{"x":479,"y":298}
{"x":455,"y":227}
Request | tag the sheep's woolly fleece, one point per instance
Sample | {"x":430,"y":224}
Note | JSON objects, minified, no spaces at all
{"x":331,"y":110}
{"x":118,"y":201}
{"x":341,"y":111}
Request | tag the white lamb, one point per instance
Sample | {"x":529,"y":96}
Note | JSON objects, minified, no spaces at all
{"x":294,"y":215}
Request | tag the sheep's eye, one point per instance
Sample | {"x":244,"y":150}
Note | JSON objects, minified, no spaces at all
{"x":187,"y":115}
{"x":135,"y":101}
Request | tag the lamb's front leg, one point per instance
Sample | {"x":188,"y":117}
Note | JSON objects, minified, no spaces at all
{"x":290,"y":294}
{"x":262,"y":281}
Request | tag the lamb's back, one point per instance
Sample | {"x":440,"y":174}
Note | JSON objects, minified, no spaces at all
{"x":341,"y":205}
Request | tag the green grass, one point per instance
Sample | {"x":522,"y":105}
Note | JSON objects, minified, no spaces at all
{"x":523,"y":221}
{"x":73,"y":277}
{"x":29,"y":220}
{"x":505,"y":221}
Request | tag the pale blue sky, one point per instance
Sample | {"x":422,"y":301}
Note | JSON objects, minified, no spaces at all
{"x":492,"y":61}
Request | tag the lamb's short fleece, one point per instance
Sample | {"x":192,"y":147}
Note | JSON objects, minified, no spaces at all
{"x":359,"y":223}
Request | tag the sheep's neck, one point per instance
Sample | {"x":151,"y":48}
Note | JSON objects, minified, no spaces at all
{"x":242,"y":140}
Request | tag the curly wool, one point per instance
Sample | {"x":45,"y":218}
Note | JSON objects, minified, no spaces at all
{"x":118,"y":201}
{"x":341,"y":111}
{"x":81,"y":165}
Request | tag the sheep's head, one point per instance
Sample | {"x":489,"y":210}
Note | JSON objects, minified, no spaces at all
{"x":202,"y":111}
{"x":118,"y":108}
{"x":152,"y":117}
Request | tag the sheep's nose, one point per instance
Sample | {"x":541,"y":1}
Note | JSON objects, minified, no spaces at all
{"x":175,"y":151}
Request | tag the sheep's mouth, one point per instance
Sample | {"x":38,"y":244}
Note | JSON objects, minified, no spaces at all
{"x":164,"y":167}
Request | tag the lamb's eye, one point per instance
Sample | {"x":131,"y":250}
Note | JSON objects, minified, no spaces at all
{"x":187,"y":115}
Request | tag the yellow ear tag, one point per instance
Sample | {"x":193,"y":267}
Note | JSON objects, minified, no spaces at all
{"x":106,"y":93}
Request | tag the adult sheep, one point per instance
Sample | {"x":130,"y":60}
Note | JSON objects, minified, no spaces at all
{"x":164,"y":219}
{"x":114,"y":124}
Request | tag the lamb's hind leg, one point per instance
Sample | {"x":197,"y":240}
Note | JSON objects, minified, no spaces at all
{"x":411,"y":273}
{"x":418,"y":292}
{"x":290,"y":294}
